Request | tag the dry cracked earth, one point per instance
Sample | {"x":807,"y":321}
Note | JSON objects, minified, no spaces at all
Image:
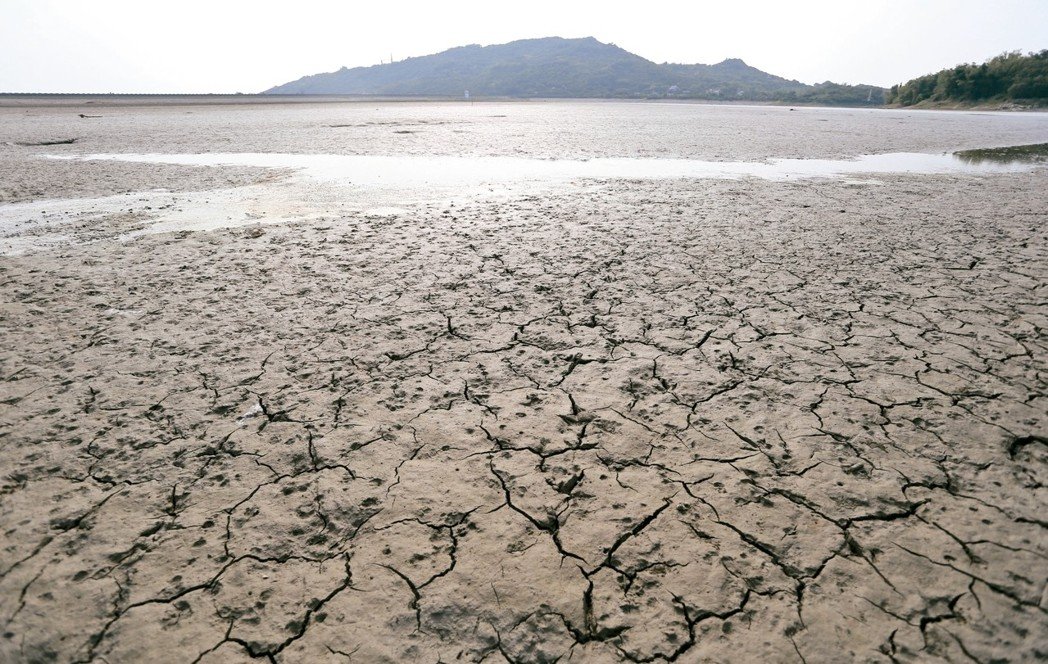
{"x":639,"y":421}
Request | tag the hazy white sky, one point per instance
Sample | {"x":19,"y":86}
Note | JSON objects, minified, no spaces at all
{"x":247,"y":46}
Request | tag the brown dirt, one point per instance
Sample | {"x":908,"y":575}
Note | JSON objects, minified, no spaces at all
{"x":639,"y":421}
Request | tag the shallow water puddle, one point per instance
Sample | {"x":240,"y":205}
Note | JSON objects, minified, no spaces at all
{"x":330,"y":187}
{"x":407,"y":171}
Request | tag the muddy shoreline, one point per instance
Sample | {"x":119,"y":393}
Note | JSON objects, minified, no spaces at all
{"x":631,"y":420}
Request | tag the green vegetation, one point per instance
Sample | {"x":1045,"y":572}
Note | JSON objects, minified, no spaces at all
{"x":1036,"y":153}
{"x":1010,"y":77}
{"x":837,"y":94}
{"x":556,"y":67}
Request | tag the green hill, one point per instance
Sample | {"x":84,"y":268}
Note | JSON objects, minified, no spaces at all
{"x":556,"y":67}
{"x":1011,"y":77}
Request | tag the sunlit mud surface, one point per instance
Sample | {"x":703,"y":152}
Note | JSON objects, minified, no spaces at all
{"x":622,"y":418}
{"x":534,"y":130}
{"x":369,"y":170}
{"x":367,"y":183}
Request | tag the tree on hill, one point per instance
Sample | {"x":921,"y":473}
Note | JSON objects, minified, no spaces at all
{"x":1007,"y":77}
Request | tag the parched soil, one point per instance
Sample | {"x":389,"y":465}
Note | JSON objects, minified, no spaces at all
{"x":726,"y":421}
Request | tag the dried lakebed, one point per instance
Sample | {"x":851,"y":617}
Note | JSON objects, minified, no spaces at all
{"x":632,"y":420}
{"x":323,"y":186}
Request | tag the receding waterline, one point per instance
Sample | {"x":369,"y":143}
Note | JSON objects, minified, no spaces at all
{"x":435,"y":170}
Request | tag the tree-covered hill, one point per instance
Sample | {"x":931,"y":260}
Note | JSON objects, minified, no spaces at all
{"x":1010,"y":77}
{"x":556,"y":67}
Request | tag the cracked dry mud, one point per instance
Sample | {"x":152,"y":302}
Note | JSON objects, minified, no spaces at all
{"x":638,"y":421}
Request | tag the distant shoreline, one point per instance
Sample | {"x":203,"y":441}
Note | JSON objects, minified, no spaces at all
{"x":112,"y":100}
{"x":120,"y":99}
{"x":962,"y":106}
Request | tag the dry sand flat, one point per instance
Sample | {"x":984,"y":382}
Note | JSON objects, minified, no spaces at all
{"x":637,"y":421}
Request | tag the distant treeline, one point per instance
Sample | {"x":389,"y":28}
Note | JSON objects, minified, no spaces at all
{"x":1008,"y":77}
{"x":836,"y":94}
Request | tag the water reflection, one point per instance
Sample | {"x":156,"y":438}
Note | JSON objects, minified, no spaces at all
{"x":422,"y":171}
{"x":333,"y":187}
